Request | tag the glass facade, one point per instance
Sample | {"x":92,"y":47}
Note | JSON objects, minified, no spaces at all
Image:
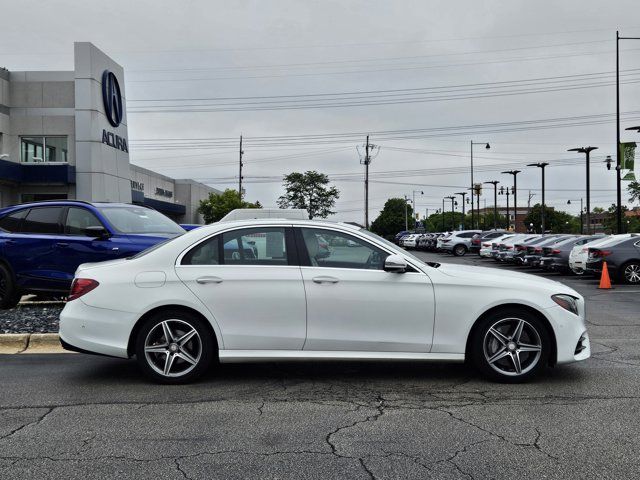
{"x":44,"y":149}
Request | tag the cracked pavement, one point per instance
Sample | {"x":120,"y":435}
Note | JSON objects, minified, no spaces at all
{"x":77,"y":416}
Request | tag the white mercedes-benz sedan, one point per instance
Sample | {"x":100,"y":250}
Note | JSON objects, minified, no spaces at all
{"x":267,"y":290}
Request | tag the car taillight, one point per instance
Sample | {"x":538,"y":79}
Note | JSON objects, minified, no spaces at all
{"x":486,"y":244}
{"x":80,"y":287}
{"x":537,"y":249}
{"x":508,"y":247}
{"x":555,"y":251}
{"x":476,"y":241}
{"x":520,"y":247}
{"x":599,"y":253}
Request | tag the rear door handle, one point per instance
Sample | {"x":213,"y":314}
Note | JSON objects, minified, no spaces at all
{"x":62,"y":244}
{"x":325,"y":279}
{"x":205,"y":280}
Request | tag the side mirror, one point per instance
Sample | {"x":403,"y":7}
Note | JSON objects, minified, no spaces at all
{"x":96,"y":232}
{"x":395,"y":263}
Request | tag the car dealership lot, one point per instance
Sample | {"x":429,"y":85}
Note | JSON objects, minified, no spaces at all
{"x":77,"y":416}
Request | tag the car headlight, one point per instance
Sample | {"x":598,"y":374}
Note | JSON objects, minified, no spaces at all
{"x":567,"y":302}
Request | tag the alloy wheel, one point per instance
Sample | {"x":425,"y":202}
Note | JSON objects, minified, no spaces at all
{"x":173,"y":348}
{"x":512,"y":346}
{"x":632,"y":273}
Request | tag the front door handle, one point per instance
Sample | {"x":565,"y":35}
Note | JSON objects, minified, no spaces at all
{"x":205,"y":280}
{"x":325,"y":279}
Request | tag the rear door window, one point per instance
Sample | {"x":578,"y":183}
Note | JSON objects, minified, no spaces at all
{"x":255,"y":246}
{"x":44,"y":220}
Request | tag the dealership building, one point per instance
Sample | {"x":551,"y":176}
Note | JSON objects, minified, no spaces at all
{"x":63,"y":135}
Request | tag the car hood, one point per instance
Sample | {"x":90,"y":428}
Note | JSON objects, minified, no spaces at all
{"x":508,"y":279}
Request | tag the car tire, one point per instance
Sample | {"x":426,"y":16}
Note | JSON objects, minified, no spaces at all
{"x":9,"y":295}
{"x":459,"y":250}
{"x":630,"y":273}
{"x":500,"y":354}
{"x":174,"y":347}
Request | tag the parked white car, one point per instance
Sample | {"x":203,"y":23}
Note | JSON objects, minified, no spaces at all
{"x":458,"y":242}
{"x":486,"y":247}
{"x":410,"y":240}
{"x":205,"y":295}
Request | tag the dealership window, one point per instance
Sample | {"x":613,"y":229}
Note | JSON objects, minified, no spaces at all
{"x":42,"y":197}
{"x":44,"y":149}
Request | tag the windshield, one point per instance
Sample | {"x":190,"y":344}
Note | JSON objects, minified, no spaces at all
{"x":390,"y":245}
{"x":140,"y":220}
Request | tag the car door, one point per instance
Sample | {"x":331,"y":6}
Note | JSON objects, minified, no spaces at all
{"x":354,"y":305}
{"x":32,"y":250}
{"x":251,"y":283}
{"x":77,"y":247}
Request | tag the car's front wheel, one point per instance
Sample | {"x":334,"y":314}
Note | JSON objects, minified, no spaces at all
{"x":9,"y":296}
{"x":510,"y":346}
{"x":174,"y":347}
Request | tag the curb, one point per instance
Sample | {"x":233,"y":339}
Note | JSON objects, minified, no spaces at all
{"x":12,"y":343}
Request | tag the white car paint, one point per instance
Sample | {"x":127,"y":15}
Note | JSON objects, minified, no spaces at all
{"x":487,"y":245}
{"x":284,"y":312}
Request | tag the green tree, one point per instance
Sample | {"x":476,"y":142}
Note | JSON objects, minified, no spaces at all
{"x":217,"y":205}
{"x":634,"y":191}
{"x":392,"y":218}
{"x":554,"y":220}
{"x":610,"y":223}
{"x":451,"y":220}
{"x":311,"y":191}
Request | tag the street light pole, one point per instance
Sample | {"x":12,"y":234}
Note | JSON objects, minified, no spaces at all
{"x":487,"y":146}
{"x":464,"y":194}
{"x":587,"y":151}
{"x":406,"y":214}
{"x":495,"y":202}
{"x":414,"y":203}
{"x":443,"y":215}
{"x":515,"y":197}
{"x":452,"y":198}
{"x":541,"y":166}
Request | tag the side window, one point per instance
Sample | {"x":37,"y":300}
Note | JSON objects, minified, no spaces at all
{"x":42,"y":220}
{"x":11,"y":223}
{"x":255,"y":246}
{"x":78,"y":220}
{"x":206,"y":253}
{"x":329,"y":248}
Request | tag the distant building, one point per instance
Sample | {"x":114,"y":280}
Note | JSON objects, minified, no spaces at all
{"x":516,"y":221}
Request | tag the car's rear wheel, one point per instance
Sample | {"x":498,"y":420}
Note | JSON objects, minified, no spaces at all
{"x":9,"y":296}
{"x":174,"y":347}
{"x":510,"y":346}
{"x":630,"y":273}
{"x":459,"y":250}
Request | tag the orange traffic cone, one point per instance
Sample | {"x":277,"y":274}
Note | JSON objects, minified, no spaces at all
{"x":605,"y":282}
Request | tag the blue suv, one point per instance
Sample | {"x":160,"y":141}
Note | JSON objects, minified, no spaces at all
{"x":42,"y":243}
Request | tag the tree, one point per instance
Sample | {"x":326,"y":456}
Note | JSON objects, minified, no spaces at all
{"x":392,"y":218}
{"x":310,"y":191}
{"x":217,"y":205}
{"x":634,"y":191}
{"x":554,"y":221}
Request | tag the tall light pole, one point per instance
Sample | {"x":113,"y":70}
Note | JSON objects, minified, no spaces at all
{"x":495,"y":202}
{"x":618,"y":159}
{"x":581,"y":208}
{"x":587,"y":151}
{"x":505,"y":191}
{"x":541,"y":166}
{"x":487,"y":146}
{"x":452,"y":198}
{"x":463,"y":194}
{"x":443,"y":215}
{"x":515,"y":197}
{"x":414,"y":203}
{"x":366,"y":161}
{"x":406,"y":213}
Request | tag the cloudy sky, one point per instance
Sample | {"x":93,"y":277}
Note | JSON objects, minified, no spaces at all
{"x":304,"y":82}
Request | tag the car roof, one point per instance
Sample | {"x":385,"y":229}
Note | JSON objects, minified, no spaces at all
{"x":282,"y":221}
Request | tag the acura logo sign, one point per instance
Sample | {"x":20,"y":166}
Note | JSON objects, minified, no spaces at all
{"x":112,"y":98}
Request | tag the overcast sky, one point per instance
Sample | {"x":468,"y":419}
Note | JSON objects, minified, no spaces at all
{"x":446,"y":72}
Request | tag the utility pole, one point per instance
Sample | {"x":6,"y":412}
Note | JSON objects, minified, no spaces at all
{"x":368,"y":148}
{"x":240,"y":174}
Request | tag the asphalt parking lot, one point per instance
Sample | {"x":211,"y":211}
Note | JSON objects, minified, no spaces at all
{"x":77,"y":416}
